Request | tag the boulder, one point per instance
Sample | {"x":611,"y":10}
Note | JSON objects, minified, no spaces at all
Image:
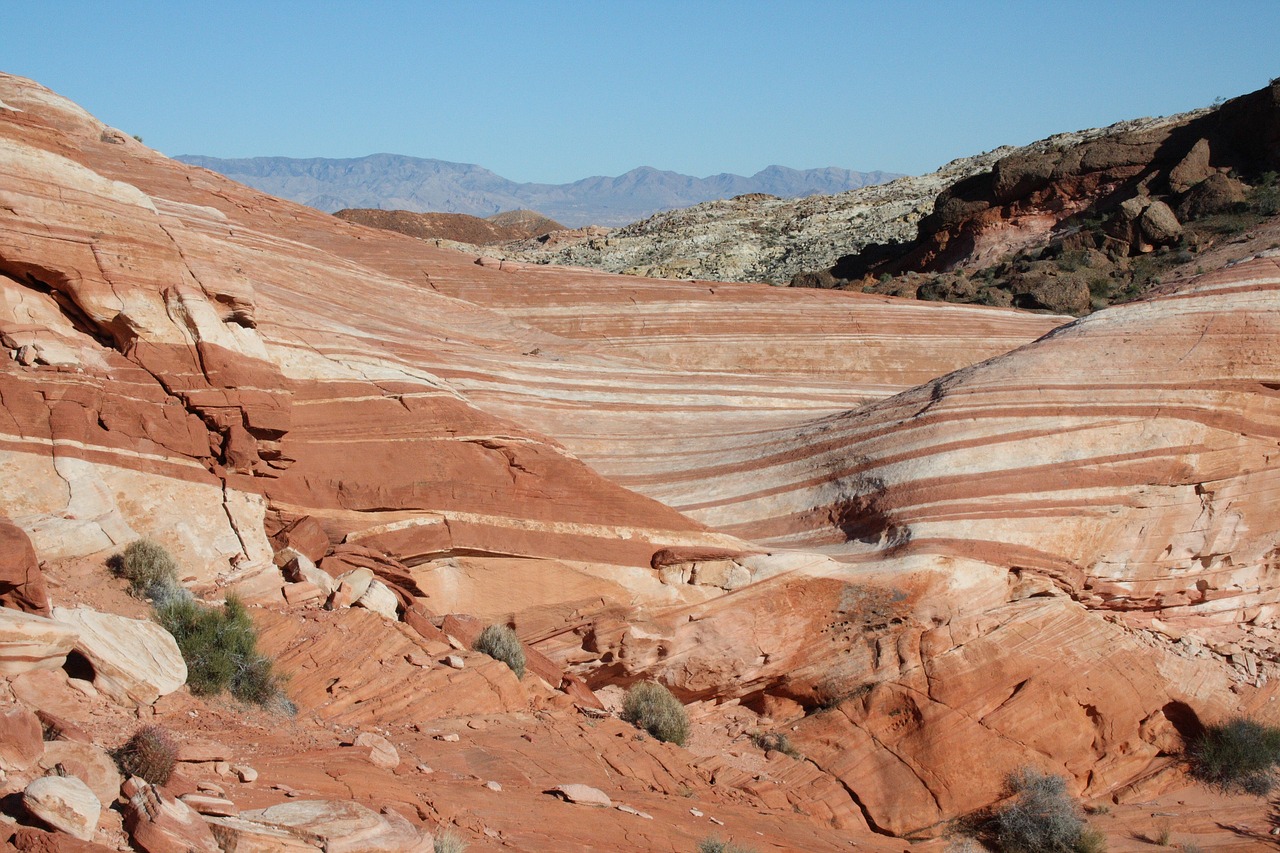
{"x":303,"y":593}
{"x":382,"y":752}
{"x":60,"y":728}
{"x":160,"y":823}
{"x":21,"y":581}
{"x":340,"y":826}
{"x":244,"y":836}
{"x":379,"y":598}
{"x":583,"y":795}
{"x":1158,"y":224}
{"x":88,"y":762}
{"x":21,"y":739}
{"x":1215,"y":194}
{"x":29,"y":641}
{"x":64,"y":803}
{"x":306,"y":536}
{"x":1191,"y":169}
{"x":207,"y":804}
{"x":299,"y":568}
{"x":29,"y":839}
{"x":134,"y":661}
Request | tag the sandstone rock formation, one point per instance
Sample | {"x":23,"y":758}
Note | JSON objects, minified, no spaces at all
{"x":30,"y":642}
{"x":22,"y":585}
{"x":935,"y":542}
{"x":65,"y":803}
{"x":132,"y":660}
{"x":1095,"y":203}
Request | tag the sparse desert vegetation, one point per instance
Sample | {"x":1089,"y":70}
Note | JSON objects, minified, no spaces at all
{"x":653,"y":708}
{"x":1239,"y":754}
{"x":150,"y":753}
{"x":220,"y":646}
{"x":500,"y":642}
{"x":1042,"y":817}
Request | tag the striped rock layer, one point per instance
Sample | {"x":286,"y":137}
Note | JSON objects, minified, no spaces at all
{"x":936,"y":542}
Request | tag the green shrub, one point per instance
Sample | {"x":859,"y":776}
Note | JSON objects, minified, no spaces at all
{"x":448,"y":841}
{"x":1043,"y":818}
{"x":715,"y":845}
{"x":500,"y":642}
{"x":150,"y":753}
{"x":1238,"y":755}
{"x":652,"y":707}
{"x":220,"y":647}
{"x":151,"y":572}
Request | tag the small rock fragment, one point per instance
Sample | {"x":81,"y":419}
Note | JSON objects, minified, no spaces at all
{"x":205,"y":804}
{"x":629,"y":810}
{"x":454,"y":661}
{"x":583,"y":795}
{"x":493,"y":786}
{"x":449,"y":738}
{"x":246,"y":773}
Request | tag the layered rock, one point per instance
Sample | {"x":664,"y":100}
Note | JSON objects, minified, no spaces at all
{"x":907,"y":529}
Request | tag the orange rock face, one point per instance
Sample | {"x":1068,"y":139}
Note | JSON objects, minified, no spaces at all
{"x":935,"y":542}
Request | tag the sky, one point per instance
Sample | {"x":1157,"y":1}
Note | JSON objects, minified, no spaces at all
{"x":556,"y":91}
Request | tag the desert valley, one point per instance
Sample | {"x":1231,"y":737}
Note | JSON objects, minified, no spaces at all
{"x":900,"y":493}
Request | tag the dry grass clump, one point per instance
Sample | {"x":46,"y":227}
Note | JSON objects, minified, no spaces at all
{"x":151,"y":572}
{"x":653,"y":708}
{"x":448,"y":841}
{"x":501,"y":642}
{"x":150,"y":753}
{"x":1043,"y":818}
{"x":776,"y":741}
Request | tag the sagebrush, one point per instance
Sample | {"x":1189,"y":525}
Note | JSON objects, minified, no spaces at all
{"x":1238,"y":755}
{"x":776,"y":741}
{"x":501,"y":642}
{"x":151,"y":572}
{"x":653,"y":707}
{"x":220,"y":646}
{"x":1043,"y":818}
{"x":151,"y":753}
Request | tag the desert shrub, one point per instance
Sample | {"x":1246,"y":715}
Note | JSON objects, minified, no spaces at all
{"x":500,"y":642}
{"x":652,"y":707}
{"x":1042,"y":817}
{"x":151,"y":572}
{"x":448,"y":841}
{"x":150,"y":753}
{"x":1238,"y":755}
{"x":715,"y":845}
{"x":220,"y":647}
{"x":777,"y":741}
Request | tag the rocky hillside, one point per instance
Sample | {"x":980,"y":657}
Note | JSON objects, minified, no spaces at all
{"x":456,"y":227}
{"x":396,"y":182}
{"x":883,"y":552}
{"x":1072,"y":225}
{"x":753,"y":237}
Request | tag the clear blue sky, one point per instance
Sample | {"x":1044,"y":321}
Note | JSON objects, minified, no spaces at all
{"x":555,"y":91}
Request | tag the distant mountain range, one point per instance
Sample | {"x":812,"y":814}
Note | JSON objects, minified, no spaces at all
{"x":396,"y":182}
